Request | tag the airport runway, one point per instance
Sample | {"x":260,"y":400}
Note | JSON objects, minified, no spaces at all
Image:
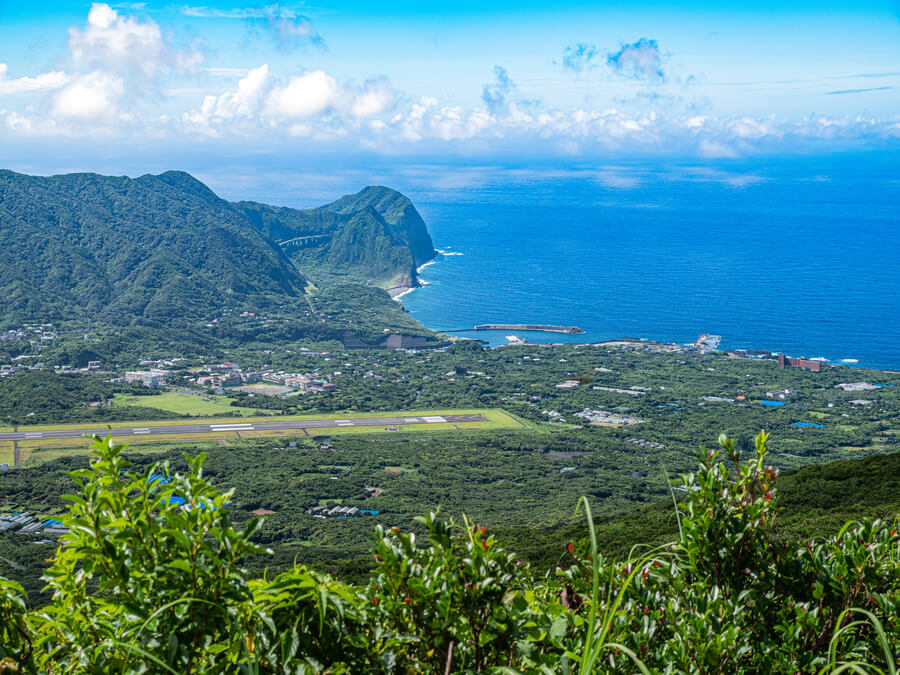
{"x":177,"y":429}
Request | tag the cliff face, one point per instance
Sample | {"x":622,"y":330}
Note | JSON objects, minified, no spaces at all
{"x":402,"y":220}
{"x":375,"y":236}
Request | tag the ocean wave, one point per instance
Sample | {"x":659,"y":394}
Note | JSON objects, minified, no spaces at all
{"x":423,"y":266}
{"x":400,"y":295}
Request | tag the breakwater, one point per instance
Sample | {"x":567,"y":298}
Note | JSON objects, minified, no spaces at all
{"x":546,"y":328}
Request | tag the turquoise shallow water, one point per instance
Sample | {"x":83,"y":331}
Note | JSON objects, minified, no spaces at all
{"x":800,"y":257}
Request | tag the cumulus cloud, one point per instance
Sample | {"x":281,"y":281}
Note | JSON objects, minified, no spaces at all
{"x":639,"y":60}
{"x":90,"y":97}
{"x":243,"y":102}
{"x":495,"y":94}
{"x":125,"y":45}
{"x":301,"y":104}
{"x":376,"y":96}
{"x":579,"y":57}
{"x":43,"y":82}
{"x":306,"y":95}
{"x":116,"y":59}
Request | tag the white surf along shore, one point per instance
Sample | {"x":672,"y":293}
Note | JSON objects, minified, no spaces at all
{"x":399,"y":291}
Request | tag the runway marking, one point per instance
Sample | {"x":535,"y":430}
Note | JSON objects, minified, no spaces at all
{"x":298,"y":426}
{"x":231,"y":427}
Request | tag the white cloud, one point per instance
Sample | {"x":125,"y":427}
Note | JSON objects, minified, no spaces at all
{"x":89,"y":97}
{"x":43,"y":82}
{"x":261,"y":99}
{"x":289,"y":27}
{"x":641,"y":60}
{"x":307,"y":95}
{"x":245,"y":100}
{"x":125,"y":45}
{"x":118,"y":59}
{"x":375,"y":97}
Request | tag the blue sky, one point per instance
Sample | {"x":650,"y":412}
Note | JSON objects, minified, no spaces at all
{"x":586,"y":80}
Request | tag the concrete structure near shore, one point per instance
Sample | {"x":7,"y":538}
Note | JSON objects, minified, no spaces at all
{"x":802,"y":363}
{"x":571,"y":330}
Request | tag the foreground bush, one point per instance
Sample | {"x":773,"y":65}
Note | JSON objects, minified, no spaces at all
{"x":148,"y":580}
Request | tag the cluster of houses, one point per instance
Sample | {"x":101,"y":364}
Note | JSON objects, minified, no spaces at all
{"x":858,"y":386}
{"x":649,"y":445}
{"x":154,"y":377}
{"x":340,"y":512}
{"x":230,"y":375}
{"x":25,"y":523}
{"x":781,"y":393}
{"x":602,"y":417}
{"x":42,"y":332}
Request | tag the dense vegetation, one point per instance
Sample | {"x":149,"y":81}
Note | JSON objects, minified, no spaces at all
{"x":375,"y":236}
{"x":155,"y":247}
{"x":46,"y":398}
{"x":123,"y":266}
{"x":150,"y":580}
{"x":508,"y":481}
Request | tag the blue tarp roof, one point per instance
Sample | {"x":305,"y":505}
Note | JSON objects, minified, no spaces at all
{"x":772,"y":403}
{"x":809,"y":424}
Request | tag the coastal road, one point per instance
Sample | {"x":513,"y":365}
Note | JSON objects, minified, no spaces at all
{"x":178,"y":429}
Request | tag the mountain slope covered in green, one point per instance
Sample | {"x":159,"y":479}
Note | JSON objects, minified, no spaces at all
{"x":163,"y":251}
{"x":115,"y":248}
{"x":375,"y":236}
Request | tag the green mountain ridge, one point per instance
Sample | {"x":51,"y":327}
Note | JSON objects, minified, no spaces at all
{"x":376,"y":237}
{"x":163,"y":247}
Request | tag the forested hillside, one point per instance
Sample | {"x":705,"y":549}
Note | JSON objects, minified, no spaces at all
{"x":162,"y":263}
{"x":375,"y":236}
{"x":116,"y":248}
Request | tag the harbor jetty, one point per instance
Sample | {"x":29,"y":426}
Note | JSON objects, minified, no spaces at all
{"x":570,"y":330}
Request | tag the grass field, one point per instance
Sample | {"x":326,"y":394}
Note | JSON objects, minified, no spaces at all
{"x":6,"y":453}
{"x":184,"y":403}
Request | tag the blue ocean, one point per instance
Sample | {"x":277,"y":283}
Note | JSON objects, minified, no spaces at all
{"x":800,"y":257}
